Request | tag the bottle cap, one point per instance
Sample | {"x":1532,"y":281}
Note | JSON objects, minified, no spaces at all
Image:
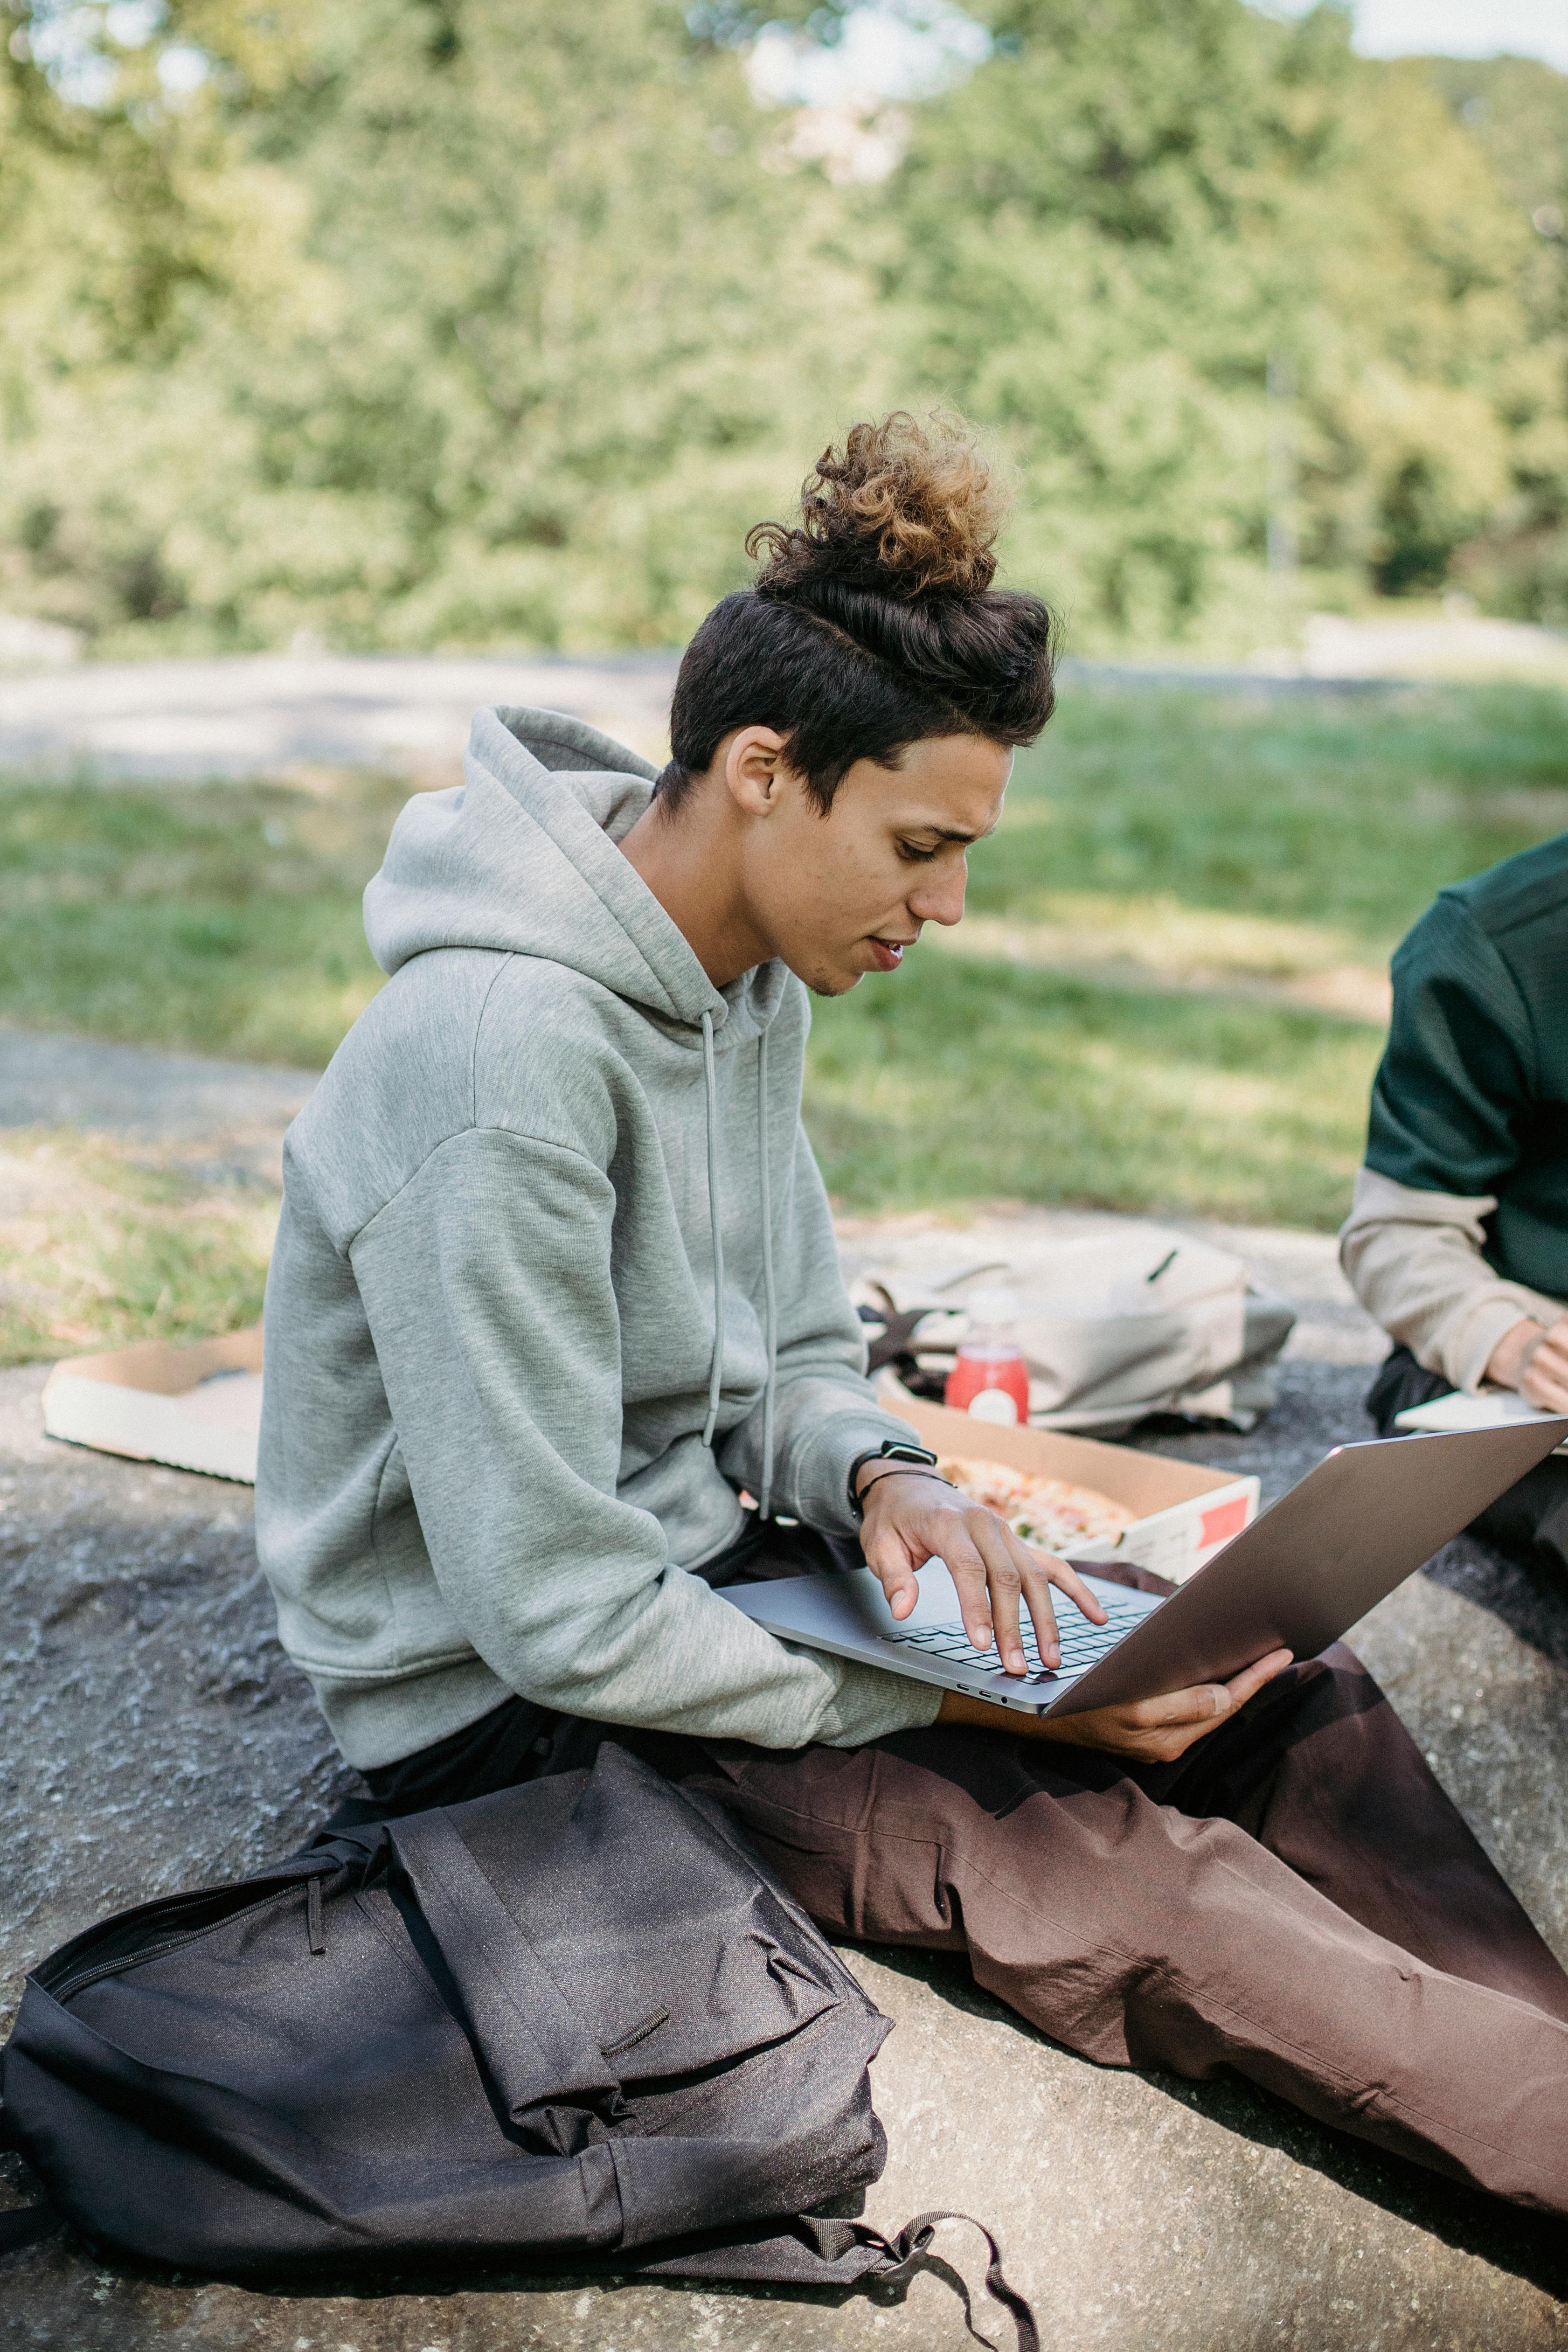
{"x":992,"y":1306}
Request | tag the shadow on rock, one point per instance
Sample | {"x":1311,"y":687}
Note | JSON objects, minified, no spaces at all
{"x":1533,"y":1603}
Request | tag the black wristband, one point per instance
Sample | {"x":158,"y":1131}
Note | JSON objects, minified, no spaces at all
{"x":912,"y":1472}
{"x":892,"y":1449}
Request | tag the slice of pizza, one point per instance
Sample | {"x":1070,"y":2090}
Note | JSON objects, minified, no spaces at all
{"x":1052,"y":1512}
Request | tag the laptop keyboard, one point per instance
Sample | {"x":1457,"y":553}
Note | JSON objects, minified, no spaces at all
{"x":1083,"y":1644}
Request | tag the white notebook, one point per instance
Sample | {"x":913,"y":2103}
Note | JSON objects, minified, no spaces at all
{"x":1491,"y":1410}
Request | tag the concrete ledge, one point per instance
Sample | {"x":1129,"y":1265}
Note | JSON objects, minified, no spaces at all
{"x":157,"y":1737}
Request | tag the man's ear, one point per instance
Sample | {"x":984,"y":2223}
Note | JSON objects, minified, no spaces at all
{"x":753,"y":767}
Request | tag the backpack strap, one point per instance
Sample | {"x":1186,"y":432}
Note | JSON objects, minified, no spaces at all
{"x":811,"y":2251}
{"x":24,"y":2225}
{"x":910,"y":2247}
{"x":535,"y":2045}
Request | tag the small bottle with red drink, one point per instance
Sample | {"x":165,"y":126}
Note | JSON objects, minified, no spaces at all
{"x":990,"y":1380}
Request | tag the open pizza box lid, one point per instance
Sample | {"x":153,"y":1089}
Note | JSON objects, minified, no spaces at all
{"x":196,"y":1407}
{"x":1184,"y":1512}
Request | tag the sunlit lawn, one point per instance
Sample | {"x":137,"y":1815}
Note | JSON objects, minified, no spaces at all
{"x":982,"y":1080}
{"x":100,"y":1246}
{"x":1168,"y":995}
{"x":224,"y":918}
{"x":1169,"y":991}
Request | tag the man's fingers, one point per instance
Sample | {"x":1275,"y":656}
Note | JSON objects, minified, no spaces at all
{"x":1246,"y":1685}
{"x":1038,"y":1593}
{"x":967,"y":1569}
{"x":1067,"y":1580}
{"x":1004,"y":1585}
{"x":1544,"y":1381}
{"x":1199,"y":1705}
{"x":1207,"y":1701}
{"x":1543,"y":1378}
{"x":897,"y":1579}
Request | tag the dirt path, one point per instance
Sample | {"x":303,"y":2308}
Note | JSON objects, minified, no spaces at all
{"x":251,"y":714}
{"x":127,"y":1090}
{"x":176,"y":722}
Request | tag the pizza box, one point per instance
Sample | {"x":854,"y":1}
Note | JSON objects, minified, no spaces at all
{"x":1185,"y":1512}
{"x":196,"y":1407}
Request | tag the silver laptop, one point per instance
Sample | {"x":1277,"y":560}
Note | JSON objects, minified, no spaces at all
{"x":1297,"y":1579}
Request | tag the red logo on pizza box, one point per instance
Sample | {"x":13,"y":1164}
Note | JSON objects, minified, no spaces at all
{"x":1225,"y":1519}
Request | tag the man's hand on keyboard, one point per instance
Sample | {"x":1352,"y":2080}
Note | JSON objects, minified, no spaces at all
{"x":911,"y":1519}
{"x":1152,"y":1731}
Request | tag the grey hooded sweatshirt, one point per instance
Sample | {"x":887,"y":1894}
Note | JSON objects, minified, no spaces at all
{"x":555,"y":1276}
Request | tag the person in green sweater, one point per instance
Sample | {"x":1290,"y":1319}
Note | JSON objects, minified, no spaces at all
{"x":1457,"y":1241}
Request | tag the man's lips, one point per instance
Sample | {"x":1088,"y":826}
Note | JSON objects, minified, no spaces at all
{"x":888,"y":954}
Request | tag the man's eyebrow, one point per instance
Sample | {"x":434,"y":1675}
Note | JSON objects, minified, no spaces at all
{"x":951,"y":833}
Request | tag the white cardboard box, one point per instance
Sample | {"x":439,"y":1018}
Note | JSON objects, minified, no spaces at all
{"x":196,"y":1408}
{"x":199,"y":1408}
{"x":1185,"y":1512}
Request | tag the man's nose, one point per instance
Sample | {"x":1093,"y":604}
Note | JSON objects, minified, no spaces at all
{"x":940,"y":899}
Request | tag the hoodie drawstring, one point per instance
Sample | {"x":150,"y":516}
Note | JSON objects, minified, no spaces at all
{"x":764,"y":1500}
{"x":716,"y":1369}
{"x":769,"y":1298}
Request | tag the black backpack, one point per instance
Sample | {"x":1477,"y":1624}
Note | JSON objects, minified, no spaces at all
{"x":571,"y":2025}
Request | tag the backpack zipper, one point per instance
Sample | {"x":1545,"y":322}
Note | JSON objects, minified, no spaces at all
{"x":159,"y":1951}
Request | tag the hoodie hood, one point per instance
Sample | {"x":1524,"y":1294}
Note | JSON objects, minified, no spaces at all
{"x":521,"y":857}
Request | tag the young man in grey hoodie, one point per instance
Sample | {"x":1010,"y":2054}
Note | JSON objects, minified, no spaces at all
{"x":555,"y":1281}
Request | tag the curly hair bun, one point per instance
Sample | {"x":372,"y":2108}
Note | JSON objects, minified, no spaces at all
{"x":873,"y":623}
{"x":905,"y":509}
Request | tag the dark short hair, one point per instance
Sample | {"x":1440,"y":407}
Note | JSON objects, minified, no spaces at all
{"x":873,"y":623}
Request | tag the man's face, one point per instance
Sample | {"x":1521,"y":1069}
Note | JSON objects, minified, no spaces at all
{"x":843,"y":895}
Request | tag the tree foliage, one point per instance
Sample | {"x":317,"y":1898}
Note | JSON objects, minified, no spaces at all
{"x":445,"y":321}
{"x":1111,"y":230}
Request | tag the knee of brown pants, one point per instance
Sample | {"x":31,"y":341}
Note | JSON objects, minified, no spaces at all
{"x":856,"y":1838}
{"x":1084,"y":1907}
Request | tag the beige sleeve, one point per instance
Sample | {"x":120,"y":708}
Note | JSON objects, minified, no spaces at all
{"x":1414,"y":1259}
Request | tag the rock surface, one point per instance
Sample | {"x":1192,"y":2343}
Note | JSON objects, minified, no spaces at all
{"x":157,"y":1737}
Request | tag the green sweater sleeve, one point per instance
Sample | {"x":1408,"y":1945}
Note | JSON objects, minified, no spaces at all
{"x":1458,"y":1072}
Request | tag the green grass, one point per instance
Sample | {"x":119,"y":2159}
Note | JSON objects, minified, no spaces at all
{"x":222,"y":918}
{"x":1167,"y":999}
{"x":1179,"y":887}
{"x":981,"y":1081}
{"x":101,"y":1246}
{"x":1349,"y":811}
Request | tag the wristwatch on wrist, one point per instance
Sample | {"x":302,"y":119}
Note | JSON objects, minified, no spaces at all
{"x":892,"y":1449}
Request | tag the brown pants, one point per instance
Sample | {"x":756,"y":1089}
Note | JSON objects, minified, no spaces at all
{"x":1297,"y":1900}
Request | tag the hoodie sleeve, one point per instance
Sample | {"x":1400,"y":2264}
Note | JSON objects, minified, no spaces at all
{"x":487,"y":1283}
{"x":826,"y":1412}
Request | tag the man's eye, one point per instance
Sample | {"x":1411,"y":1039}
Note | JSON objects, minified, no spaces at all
{"x":913,"y":855}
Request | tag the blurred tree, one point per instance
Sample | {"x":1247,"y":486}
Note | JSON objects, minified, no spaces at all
{"x":135,"y":231}
{"x":519,"y":336}
{"x":1517,"y":109}
{"x":1107,"y":233}
{"x":447,"y":321}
